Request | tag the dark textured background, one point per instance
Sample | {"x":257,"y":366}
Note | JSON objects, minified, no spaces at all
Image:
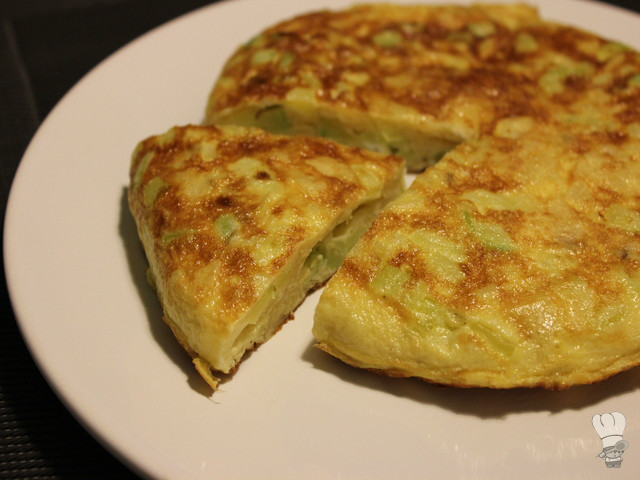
{"x":45,"y":47}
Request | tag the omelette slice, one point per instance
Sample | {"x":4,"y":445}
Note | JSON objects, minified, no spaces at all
{"x":514,"y":262}
{"x":238,"y":225}
{"x":410,"y":80}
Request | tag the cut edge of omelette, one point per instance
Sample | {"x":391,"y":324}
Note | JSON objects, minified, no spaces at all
{"x":239,"y":225}
{"x":301,"y":114}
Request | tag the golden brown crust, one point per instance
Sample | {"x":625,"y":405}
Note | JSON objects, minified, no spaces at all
{"x":327,"y":46}
{"x":442,"y":62}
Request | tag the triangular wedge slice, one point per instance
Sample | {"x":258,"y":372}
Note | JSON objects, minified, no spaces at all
{"x":238,"y":225}
{"x":514,"y":262}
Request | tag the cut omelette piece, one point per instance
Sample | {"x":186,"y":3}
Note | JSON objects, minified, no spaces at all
{"x":514,"y":262}
{"x":409,"y":80}
{"x":238,"y":225}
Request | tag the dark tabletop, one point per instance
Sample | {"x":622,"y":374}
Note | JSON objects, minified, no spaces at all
{"x":45,"y":47}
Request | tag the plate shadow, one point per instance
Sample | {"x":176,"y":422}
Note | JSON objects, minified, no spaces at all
{"x":478,"y":402}
{"x":160,"y":331}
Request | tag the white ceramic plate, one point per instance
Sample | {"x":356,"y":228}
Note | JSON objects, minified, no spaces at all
{"x":76,"y":274}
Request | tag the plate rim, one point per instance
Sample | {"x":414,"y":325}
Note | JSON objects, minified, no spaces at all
{"x":22,"y":175}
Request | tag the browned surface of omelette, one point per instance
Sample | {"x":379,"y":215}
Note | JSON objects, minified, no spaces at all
{"x":371,"y":58}
{"x":395,"y":78}
{"x":228,"y":215}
